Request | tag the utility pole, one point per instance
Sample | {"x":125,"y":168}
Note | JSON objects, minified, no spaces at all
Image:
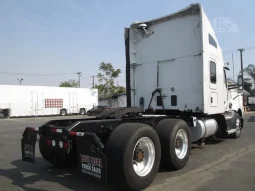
{"x":93,"y":78}
{"x":233,"y":66}
{"x":79,"y":77}
{"x":241,"y":57}
{"x":20,"y":80}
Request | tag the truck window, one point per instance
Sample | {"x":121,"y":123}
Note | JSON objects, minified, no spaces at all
{"x":213,"y":72}
{"x":212,"y":41}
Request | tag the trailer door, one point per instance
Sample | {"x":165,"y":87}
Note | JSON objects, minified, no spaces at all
{"x":37,"y":103}
{"x":73,"y":102}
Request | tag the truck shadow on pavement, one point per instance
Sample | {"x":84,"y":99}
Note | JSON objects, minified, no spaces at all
{"x":42,"y":174}
{"x":27,"y":176}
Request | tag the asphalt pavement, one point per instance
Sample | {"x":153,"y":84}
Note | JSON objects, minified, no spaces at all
{"x":220,"y":165}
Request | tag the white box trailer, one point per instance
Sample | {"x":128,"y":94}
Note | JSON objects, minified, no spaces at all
{"x":44,"y":100}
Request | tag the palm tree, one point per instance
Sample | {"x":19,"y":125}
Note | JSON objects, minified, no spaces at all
{"x":250,"y":71}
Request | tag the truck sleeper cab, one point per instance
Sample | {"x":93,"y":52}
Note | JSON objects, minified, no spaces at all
{"x":124,"y":147}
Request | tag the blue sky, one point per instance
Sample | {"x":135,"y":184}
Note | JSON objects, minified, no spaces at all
{"x":69,"y":36}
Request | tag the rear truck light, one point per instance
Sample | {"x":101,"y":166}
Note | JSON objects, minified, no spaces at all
{"x":79,"y":134}
{"x":55,"y":130}
{"x":33,"y":128}
{"x":66,"y":146}
{"x":48,"y":142}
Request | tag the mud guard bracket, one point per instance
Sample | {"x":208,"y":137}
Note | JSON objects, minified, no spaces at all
{"x":92,"y":162}
{"x":28,"y":145}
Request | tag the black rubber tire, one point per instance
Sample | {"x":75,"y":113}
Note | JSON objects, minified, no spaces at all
{"x":236,"y":135}
{"x":167,"y":130}
{"x":119,"y":151}
{"x":63,"y":112}
{"x":82,"y":111}
{"x":88,"y":113}
{"x":49,"y":156}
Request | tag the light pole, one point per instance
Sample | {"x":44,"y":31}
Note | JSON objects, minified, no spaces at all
{"x":79,"y":76}
{"x":20,"y":80}
{"x":233,"y":66}
{"x":241,"y":57}
{"x":93,"y":81}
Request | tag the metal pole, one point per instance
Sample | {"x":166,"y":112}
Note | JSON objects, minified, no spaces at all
{"x":93,"y":81}
{"x":241,"y":57}
{"x":233,"y":66}
{"x":79,"y":78}
{"x":20,"y":80}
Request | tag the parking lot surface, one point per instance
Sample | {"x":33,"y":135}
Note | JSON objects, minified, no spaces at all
{"x":220,"y":165}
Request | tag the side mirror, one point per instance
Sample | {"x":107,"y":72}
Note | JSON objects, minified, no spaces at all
{"x":240,"y":80}
{"x":226,"y":68}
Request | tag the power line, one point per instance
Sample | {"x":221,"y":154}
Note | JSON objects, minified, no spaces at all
{"x":230,"y":51}
{"x":34,"y":74}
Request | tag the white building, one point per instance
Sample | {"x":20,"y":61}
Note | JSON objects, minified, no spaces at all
{"x":118,"y":100}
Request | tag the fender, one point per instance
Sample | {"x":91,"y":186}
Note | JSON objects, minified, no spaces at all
{"x":236,"y":104}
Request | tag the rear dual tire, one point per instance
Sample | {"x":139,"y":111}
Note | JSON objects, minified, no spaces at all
{"x":158,"y":146}
{"x":125,"y":161}
{"x":175,"y":142}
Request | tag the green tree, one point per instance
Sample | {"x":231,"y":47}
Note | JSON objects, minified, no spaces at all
{"x":106,"y":78}
{"x":69,"y":83}
{"x":120,"y":89}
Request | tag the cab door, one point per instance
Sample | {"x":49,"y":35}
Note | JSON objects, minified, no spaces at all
{"x":213,"y":83}
{"x":225,"y":91}
{"x":217,"y":87}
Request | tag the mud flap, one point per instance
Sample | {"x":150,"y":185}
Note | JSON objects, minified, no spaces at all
{"x":92,"y":162}
{"x":28,"y":145}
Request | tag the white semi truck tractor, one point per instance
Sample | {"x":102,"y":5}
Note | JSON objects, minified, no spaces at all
{"x":177,"y":94}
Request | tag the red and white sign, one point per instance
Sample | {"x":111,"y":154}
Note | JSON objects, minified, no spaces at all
{"x":53,"y":103}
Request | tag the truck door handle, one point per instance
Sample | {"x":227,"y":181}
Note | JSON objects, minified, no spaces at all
{"x":211,"y":99}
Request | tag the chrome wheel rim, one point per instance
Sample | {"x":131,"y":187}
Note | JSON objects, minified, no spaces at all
{"x":181,"y":144}
{"x":143,"y":156}
{"x":238,"y":126}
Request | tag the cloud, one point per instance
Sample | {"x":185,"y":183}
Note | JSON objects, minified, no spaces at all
{"x":224,"y":25}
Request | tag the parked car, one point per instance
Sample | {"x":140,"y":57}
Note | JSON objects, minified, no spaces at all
{"x":97,"y":109}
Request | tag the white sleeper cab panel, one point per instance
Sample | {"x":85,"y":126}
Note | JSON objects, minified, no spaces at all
{"x":215,"y":89}
{"x":175,"y":53}
{"x":42,"y":100}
